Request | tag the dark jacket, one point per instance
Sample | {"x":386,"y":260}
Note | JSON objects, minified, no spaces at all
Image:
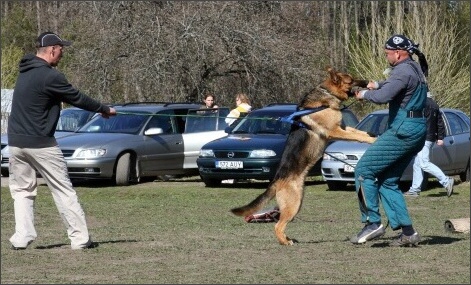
{"x":36,"y":104}
{"x":435,"y":125}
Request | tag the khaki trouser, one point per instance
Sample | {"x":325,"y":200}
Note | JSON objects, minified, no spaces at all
{"x":50,"y":163}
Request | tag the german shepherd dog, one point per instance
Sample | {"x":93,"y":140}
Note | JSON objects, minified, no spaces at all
{"x":305,"y":146}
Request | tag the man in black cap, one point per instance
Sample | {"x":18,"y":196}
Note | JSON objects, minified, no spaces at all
{"x":40,"y":89}
{"x":378,"y":171}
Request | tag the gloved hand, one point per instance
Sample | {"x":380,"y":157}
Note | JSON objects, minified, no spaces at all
{"x":356,"y":89}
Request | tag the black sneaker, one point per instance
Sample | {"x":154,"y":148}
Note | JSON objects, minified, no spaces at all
{"x":369,"y":232}
{"x":90,"y":244}
{"x":93,"y":244}
{"x":403,"y":240}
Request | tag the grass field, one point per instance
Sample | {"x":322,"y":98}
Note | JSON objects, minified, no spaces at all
{"x":179,"y":232}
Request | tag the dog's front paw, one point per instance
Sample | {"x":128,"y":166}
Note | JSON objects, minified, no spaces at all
{"x":371,"y":140}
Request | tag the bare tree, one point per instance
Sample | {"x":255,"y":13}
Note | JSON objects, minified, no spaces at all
{"x":179,"y":50}
{"x":272,"y":50}
{"x":432,"y":26}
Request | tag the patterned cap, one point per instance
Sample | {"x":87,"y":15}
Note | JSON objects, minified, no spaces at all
{"x":399,"y":42}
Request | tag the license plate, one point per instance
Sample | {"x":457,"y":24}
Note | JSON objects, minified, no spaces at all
{"x":348,"y":168}
{"x":229,"y":164}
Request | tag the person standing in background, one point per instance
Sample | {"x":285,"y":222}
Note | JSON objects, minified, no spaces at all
{"x":40,"y":89}
{"x":435,"y":133}
{"x":209,"y":101}
{"x":242,"y":109}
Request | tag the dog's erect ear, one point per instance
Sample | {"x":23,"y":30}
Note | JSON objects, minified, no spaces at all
{"x":333,"y":75}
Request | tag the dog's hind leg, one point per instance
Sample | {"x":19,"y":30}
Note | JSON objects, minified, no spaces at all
{"x":256,"y":204}
{"x":289,"y":201}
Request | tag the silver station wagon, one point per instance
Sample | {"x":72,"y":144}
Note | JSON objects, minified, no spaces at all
{"x":143,"y":140}
{"x":340,"y":157}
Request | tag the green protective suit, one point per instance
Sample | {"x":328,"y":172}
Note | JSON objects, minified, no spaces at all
{"x":380,"y":168}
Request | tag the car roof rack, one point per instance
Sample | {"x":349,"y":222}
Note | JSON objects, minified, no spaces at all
{"x":164,"y":103}
{"x":278,"y":104}
{"x":180,"y":103}
{"x":143,"y":102}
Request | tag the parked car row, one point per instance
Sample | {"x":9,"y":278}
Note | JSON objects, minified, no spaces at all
{"x":158,"y":139}
{"x":143,"y":140}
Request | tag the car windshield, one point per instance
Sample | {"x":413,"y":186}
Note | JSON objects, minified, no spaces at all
{"x":263,"y":123}
{"x":349,"y":119}
{"x":71,"y":120}
{"x":121,"y":123}
{"x":374,"y":124}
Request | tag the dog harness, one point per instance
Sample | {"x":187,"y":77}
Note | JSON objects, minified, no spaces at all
{"x":293,"y":118}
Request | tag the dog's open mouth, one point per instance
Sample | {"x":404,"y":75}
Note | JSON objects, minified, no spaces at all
{"x":353,"y":90}
{"x":357,"y":85}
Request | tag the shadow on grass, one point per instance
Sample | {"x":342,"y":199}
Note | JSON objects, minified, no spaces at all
{"x":384,"y":242}
{"x":94,"y":244}
{"x":259,"y":184}
{"x":426,"y":240}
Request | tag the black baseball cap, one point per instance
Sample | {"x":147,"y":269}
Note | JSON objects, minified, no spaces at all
{"x":51,"y":39}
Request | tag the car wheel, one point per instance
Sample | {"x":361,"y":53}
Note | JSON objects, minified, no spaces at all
{"x":123,"y":170}
{"x":464,"y":176}
{"x":336,"y":185}
{"x":212,"y":182}
{"x":5,"y":173}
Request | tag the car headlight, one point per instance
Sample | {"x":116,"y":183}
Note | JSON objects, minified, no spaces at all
{"x":206,"y":153}
{"x":260,"y":153}
{"x":90,"y":153}
{"x":334,"y":156}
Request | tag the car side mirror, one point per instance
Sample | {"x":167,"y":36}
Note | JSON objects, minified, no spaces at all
{"x":153,"y":131}
{"x":228,"y":130}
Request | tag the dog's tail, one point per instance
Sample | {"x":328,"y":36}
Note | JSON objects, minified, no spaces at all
{"x":257,"y":204}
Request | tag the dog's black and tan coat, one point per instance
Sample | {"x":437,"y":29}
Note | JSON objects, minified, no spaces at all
{"x":305,"y":146}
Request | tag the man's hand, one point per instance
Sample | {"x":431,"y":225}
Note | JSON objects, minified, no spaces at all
{"x":112,"y":112}
{"x":440,"y":142}
{"x":372,"y":85}
{"x":359,"y":95}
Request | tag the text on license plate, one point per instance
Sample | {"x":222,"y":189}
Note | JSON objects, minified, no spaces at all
{"x":229,"y":164}
{"x":348,"y":168}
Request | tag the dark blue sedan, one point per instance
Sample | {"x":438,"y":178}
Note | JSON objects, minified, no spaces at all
{"x":253,"y":149}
